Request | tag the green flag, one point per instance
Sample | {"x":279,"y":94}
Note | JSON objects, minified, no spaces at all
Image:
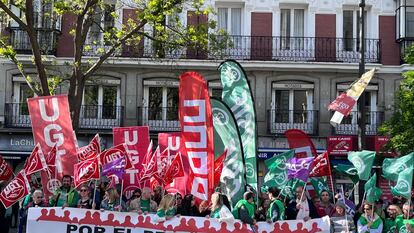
{"x":392,"y":167}
{"x":226,"y":137}
{"x":277,"y":174}
{"x":404,"y":183}
{"x":372,"y":192}
{"x":348,"y":170}
{"x":238,"y":96}
{"x":362,"y":160}
{"x":319,"y":184}
{"x":289,"y":189}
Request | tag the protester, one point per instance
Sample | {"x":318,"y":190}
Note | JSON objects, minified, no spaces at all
{"x":369,"y":220}
{"x":158,"y":194}
{"x":37,"y":200}
{"x":143,"y":204}
{"x":244,"y":209}
{"x":262,"y":210}
{"x":342,"y":222}
{"x":111,"y":201}
{"x":219,"y":210}
{"x":325,"y":207}
{"x":276,"y":210}
{"x":203,"y":208}
{"x":85,"y":200}
{"x":379,"y":208}
{"x":188,"y":206}
{"x":178,"y":199}
{"x":301,"y":208}
{"x":166,"y":209}
{"x":389,"y":223}
{"x":405,"y":222}
{"x":66,"y":195}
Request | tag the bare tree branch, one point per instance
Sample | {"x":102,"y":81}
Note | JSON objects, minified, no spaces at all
{"x":12,"y":15}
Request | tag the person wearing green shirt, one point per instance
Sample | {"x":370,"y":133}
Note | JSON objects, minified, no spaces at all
{"x":66,"y":195}
{"x":144,"y":204}
{"x":219,"y":210}
{"x":244,"y":209}
{"x":389,"y":223}
{"x":369,"y":222}
{"x":405,"y":222}
{"x":166,"y":210}
{"x":276,"y":211}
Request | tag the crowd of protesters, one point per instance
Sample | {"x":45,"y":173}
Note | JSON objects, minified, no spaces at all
{"x":394,"y":217}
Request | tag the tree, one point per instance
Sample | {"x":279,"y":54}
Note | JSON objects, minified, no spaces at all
{"x":168,"y":34}
{"x":400,"y":126}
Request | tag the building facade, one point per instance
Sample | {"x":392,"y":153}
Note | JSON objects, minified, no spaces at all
{"x":298,"y":56}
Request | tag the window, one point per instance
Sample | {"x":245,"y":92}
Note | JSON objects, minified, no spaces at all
{"x":22,"y":92}
{"x":161,"y":100}
{"x":101,"y":101}
{"x":292,"y":25}
{"x":102,"y":20}
{"x":350,"y":29}
{"x":230,"y":20}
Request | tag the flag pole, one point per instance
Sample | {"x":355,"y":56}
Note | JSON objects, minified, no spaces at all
{"x":346,"y":216}
{"x":120,"y":196}
{"x":303,"y":192}
{"x":333,"y":190}
{"x":94,"y":192}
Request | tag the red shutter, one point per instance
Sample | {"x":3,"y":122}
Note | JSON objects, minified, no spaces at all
{"x":261,"y":32}
{"x":195,"y":52}
{"x":325,"y":41}
{"x":131,"y":50}
{"x":390,"y":50}
{"x":65,"y":42}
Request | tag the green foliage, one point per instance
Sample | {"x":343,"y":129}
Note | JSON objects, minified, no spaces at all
{"x":400,"y":126}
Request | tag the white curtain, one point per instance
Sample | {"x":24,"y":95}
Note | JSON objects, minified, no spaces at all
{"x":222,"y":18}
{"x":284,"y":28}
{"x":298,"y":28}
{"x":236,"y":21}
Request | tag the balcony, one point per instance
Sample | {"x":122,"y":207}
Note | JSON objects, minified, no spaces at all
{"x":159,"y":119}
{"x":91,"y":117}
{"x":276,"y":48}
{"x":47,"y":39}
{"x":349,"y":125}
{"x":282,"y":120}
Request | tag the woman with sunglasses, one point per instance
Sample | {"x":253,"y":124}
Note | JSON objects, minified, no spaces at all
{"x":85,"y":201}
{"x":369,"y":221}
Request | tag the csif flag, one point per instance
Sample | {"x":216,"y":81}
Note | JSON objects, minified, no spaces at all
{"x":373,"y":193}
{"x":17,"y":189}
{"x":392,"y":167}
{"x":362,"y":161}
{"x":277,"y":175}
{"x":85,"y":171}
{"x":174,"y":170}
{"x":91,"y":150}
{"x":321,"y":166}
{"x":404,"y":183}
{"x":348,"y":170}
{"x":344,"y":103}
{"x":6,"y":172}
{"x":238,"y":97}
{"x":197,"y":133}
{"x":35,"y":162}
{"x":319,"y":184}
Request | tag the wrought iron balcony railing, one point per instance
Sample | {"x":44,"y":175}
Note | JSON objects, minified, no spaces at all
{"x":349,"y":125}
{"x":159,"y":119}
{"x":47,"y":39}
{"x":281,"y":120}
{"x":91,"y":116}
{"x":305,"y":49}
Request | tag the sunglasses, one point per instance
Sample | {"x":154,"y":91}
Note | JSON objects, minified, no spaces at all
{"x":83,"y":190}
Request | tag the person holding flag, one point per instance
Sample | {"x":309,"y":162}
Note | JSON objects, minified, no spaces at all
{"x":369,"y":222}
{"x":276,"y":211}
{"x":66,"y":195}
{"x":405,"y":222}
{"x":389,"y":222}
{"x":301,"y":208}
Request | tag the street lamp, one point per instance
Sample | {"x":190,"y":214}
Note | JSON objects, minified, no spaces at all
{"x":361,"y":102}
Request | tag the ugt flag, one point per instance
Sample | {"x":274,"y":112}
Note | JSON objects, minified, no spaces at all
{"x":6,"y":172}
{"x":391,"y":168}
{"x":321,"y":166}
{"x":346,"y":101}
{"x":362,"y":160}
{"x":35,"y":162}
{"x":91,"y":150}
{"x":52,"y":125}
{"x":404,"y":183}
{"x":238,"y":96}
{"x":85,"y":171}
{"x":17,"y":189}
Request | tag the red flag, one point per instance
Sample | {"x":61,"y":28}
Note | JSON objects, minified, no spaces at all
{"x":150,"y":166}
{"x":52,"y":125}
{"x":112,"y":153}
{"x":85,"y":171}
{"x":17,"y":189}
{"x":321,"y":166}
{"x":35,"y":162}
{"x":218,"y":168}
{"x":163,"y":162}
{"x":6,"y":172}
{"x":136,"y":139}
{"x":50,"y":157}
{"x":175,"y":170}
{"x":172,"y":141}
{"x":91,"y":150}
{"x":301,"y":143}
{"x":49,"y":176}
{"x":197,"y":133}
{"x":343,"y":104}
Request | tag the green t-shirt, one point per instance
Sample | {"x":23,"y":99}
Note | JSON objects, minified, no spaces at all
{"x":145,"y":205}
{"x":215,"y":213}
{"x":400,"y":222}
{"x":63,"y":198}
{"x":389,"y":226}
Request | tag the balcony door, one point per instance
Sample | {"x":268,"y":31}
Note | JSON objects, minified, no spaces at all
{"x":230,"y":20}
{"x":261,"y":36}
{"x":160,"y":105}
{"x":18,"y":111}
{"x":292,"y":107}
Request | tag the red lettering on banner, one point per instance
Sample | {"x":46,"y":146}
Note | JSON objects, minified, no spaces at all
{"x":52,"y":125}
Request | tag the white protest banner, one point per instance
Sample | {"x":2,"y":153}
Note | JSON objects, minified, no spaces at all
{"x":73,"y":220}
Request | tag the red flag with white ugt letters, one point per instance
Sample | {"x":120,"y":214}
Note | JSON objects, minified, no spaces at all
{"x":35,"y":162}
{"x":17,"y":189}
{"x":6,"y":172}
{"x":320,"y":166}
{"x":174,"y":170}
{"x":85,"y":171}
{"x":91,"y":150}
